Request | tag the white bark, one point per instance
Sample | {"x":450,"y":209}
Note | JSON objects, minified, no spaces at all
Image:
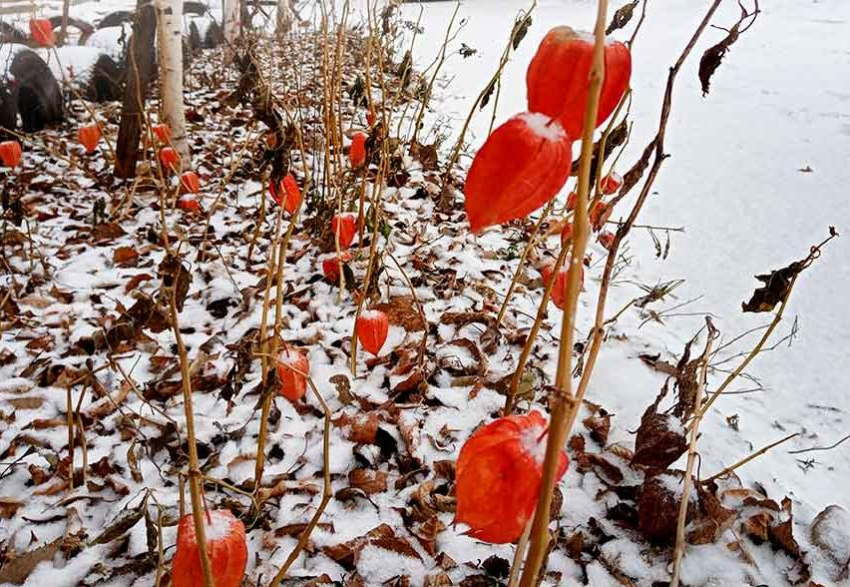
{"x":170,"y":40}
{"x":232,"y":27}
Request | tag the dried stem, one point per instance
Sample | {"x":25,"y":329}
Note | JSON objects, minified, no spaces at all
{"x":692,"y":457}
{"x":377,"y":193}
{"x":749,"y":458}
{"x":69,"y":420}
{"x":440,"y":61}
{"x":564,"y":405}
{"x":529,"y":246}
{"x":814,"y":253}
{"x":264,"y":359}
{"x":518,"y":555}
{"x":194,"y":466}
{"x":279,"y":245}
{"x":532,"y":335}
{"x":85,"y":449}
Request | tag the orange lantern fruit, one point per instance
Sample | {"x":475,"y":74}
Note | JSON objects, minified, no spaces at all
{"x":571,"y":201}
{"x":190,"y":182}
{"x":162,"y":132}
{"x":600,"y":213}
{"x":89,"y":135}
{"x":293,"y":194}
{"x":499,"y":473}
{"x":287,"y":192}
{"x":606,"y":239}
{"x":331,"y":265}
{"x":188,"y":203}
{"x":42,"y":31}
{"x":357,"y":154}
{"x":611,"y":183}
{"x":292,"y":370}
{"x":345,"y":226}
{"x":10,"y":153}
{"x":567,"y":232}
{"x":169,"y":158}
{"x":226,"y":549}
{"x":520,"y":167}
{"x":558,"y":78}
{"x":371,"y":330}
{"x":370,"y":117}
{"x":559,"y":290}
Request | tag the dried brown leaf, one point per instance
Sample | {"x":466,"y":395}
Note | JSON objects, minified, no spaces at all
{"x":16,"y":570}
{"x":9,"y":506}
{"x":777,"y":285}
{"x":402,"y":311}
{"x":660,"y":440}
{"x":658,"y":506}
{"x":369,"y":482}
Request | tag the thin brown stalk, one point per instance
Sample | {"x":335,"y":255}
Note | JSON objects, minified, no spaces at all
{"x":85,"y":449}
{"x":750,"y":457}
{"x":564,"y":405}
{"x":377,"y":193}
{"x":532,"y":335}
{"x":440,"y":61}
{"x":194,"y":466}
{"x":370,"y":266}
{"x":277,"y":260}
{"x":679,"y":550}
{"x":814,"y":253}
{"x":69,"y":420}
{"x":529,"y":246}
{"x":159,"y":547}
{"x":516,"y":564}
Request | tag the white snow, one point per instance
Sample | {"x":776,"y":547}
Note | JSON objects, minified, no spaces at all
{"x":370,"y":315}
{"x":533,"y":442}
{"x":111,"y":40}
{"x":543,"y":126}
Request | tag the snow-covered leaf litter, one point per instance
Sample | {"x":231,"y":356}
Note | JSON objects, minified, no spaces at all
{"x":443,"y":427}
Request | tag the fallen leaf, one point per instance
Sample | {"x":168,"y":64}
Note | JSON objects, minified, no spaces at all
{"x":9,"y":506}
{"x":369,"y":482}
{"x":16,"y":570}
{"x":125,"y":256}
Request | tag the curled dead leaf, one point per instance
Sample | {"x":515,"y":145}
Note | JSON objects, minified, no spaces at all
{"x":660,"y":440}
{"x":658,"y":506}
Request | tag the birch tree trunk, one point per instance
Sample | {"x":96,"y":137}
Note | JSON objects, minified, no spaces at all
{"x":232,"y":28}
{"x":170,"y":42}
